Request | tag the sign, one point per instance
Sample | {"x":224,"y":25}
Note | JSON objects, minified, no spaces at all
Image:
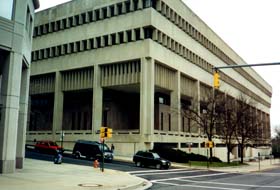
{"x":209,"y":144}
{"x":106,"y":132}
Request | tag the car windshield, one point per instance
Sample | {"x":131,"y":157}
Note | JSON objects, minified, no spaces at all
{"x":106,"y":148}
{"x":156,"y":155}
{"x":52,"y":144}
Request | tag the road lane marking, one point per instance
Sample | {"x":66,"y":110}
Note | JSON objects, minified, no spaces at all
{"x":148,"y":171}
{"x":167,"y":173}
{"x":187,"y":177}
{"x":198,"y":186}
{"x":229,"y":184}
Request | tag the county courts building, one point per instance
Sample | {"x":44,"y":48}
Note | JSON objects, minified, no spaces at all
{"x":127,"y":64}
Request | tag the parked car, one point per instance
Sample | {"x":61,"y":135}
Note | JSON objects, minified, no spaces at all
{"x":142,"y":158}
{"x":48,"y":147}
{"x":92,"y":150}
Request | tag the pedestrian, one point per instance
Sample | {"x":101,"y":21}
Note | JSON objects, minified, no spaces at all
{"x":112,"y":148}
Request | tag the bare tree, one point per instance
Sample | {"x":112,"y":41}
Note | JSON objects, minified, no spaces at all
{"x":276,"y":142}
{"x":204,"y":116}
{"x":247,"y":123}
{"x":227,"y":124}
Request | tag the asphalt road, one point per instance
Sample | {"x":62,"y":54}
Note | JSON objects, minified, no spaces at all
{"x":185,"y":179}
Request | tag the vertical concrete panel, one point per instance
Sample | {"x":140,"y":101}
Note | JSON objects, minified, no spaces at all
{"x":176,"y":103}
{"x":22,"y":122}
{"x":58,"y":105}
{"x":147,"y":99}
{"x":10,"y":93}
{"x":97,"y":101}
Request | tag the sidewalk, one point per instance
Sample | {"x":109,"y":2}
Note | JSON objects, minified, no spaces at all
{"x":252,"y":166}
{"x":45,"y":175}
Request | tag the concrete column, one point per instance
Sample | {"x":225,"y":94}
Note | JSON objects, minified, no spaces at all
{"x":10,"y":92}
{"x":158,"y":5}
{"x":101,"y":14}
{"x":87,"y":17}
{"x":97,"y":107}
{"x":109,"y":40}
{"x":140,"y":4}
{"x":125,"y":39}
{"x":142,"y":34}
{"x":117,"y":38}
{"x":131,"y":7}
{"x":175,"y":104}
{"x":22,"y":119}
{"x":58,"y":106}
{"x":198,"y":102}
{"x":93,"y":15}
{"x":123,"y":7}
{"x":116,"y":11}
{"x":147,"y":98}
{"x":133,"y":35}
{"x":109,"y":14}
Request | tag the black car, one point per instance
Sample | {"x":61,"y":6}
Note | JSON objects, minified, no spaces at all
{"x":92,"y":150}
{"x":142,"y":158}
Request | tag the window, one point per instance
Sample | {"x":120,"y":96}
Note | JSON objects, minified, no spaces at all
{"x":6,"y":9}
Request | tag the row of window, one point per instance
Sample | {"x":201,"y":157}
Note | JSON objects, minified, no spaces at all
{"x":170,"y":14}
{"x":92,"y":16}
{"x":93,"y":43}
{"x":187,"y":54}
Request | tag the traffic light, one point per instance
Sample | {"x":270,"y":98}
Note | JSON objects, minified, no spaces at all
{"x":106,"y":132}
{"x":216,"y":79}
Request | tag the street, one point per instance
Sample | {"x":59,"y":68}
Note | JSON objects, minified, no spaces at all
{"x":182,"y":178}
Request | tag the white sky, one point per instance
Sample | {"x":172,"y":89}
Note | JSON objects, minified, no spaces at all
{"x":249,"y":27}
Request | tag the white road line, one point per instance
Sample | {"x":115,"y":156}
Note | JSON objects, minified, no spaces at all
{"x":229,"y":184}
{"x":167,"y":173}
{"x":199,"y":186}
{"x":148,"y":171}
{"x":187,"y":177}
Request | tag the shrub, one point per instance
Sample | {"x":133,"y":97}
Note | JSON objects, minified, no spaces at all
{"x":176,"y":155}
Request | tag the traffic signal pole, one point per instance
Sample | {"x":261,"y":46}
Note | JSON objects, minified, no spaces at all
{"x":244,"y":65}
{"x":217,"y":76}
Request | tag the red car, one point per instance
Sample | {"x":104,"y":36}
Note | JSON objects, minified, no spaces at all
{"x":48,"y":147}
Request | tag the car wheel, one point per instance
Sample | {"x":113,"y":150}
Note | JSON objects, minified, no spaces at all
{"x":158,"y":166}
{"x":138,"y":164}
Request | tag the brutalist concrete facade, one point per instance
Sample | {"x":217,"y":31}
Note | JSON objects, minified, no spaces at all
{"x":16,"y":29}
{"x":127,"y":65}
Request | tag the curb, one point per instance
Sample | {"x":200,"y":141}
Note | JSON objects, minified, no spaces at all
{"x":144,"y":184}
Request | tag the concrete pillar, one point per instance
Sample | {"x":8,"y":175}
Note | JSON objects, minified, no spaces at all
{"x":97,"y":107}
{"x":131,"y":7}
{"x":58,"y":106}
{"x":86,"y":17}
{"x":117,"y":38}
{"x":140,"y":4}
{"x":93,"y":15}
{"x":10,"y":92}
{"x":155,"y":35}
{"x":175,"y":104}
{"x":125,"y":39}
{"x":123,"y":7}
{"x":158,"y":5}
{"x":109,"y":14}
{"x":133,"y":35}
{"x":142,"y":34}
{"x":116,"y":11}
{"x":101,"y":14}
{"x":198,"y":102}
{"x":109,"y":40}
{"x":22,"y":119}
{"x":147,"y":98}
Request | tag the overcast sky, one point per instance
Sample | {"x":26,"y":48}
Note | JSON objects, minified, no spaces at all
{"x":250,"y":27}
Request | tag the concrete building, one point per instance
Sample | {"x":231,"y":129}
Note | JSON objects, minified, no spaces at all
{"x":127,"y":64}
{"x":16,"y":29}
